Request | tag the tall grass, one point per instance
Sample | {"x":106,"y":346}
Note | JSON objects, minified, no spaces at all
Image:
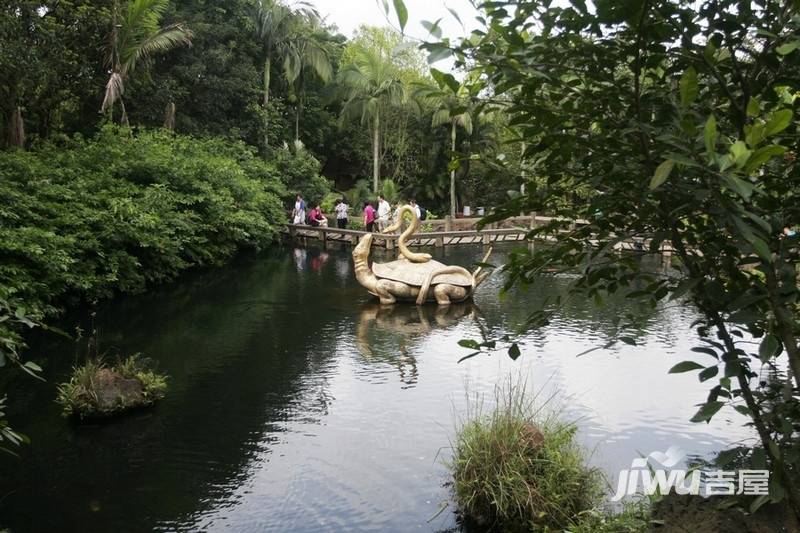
{"x":519,"y":467}
{"x":79,"y":396}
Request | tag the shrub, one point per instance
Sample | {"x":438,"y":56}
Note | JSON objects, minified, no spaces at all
{"x":95,"y":389}
{"x":519,"y":468}
{"x":300,"y":173}
{"x":121,"y":211}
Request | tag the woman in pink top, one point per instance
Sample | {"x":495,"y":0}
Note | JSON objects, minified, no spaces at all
{"x":369,"y":216}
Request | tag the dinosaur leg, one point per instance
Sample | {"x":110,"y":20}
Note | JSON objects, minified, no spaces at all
{"x":446,"y":294}
{"x":388,"y":291}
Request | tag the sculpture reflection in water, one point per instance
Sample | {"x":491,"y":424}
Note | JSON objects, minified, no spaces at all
{"x":389,"y":334}
{"x":413,"y":276}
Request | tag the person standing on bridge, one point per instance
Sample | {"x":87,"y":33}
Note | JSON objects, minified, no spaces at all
{"x":299,"y":211}
{"x":341,"y":214}
{"x":384,"y":210}
{"x":369,"y":217}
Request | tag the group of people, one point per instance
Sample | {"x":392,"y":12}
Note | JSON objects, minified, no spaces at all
{"x":315,"y":217}
{"x":381,"y":217}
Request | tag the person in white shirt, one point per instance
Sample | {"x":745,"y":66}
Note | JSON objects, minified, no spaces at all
{"x":416,"y":209}
{"x":384,"y":209}
{"x":299,"y":211}
{"x":341,"y":214}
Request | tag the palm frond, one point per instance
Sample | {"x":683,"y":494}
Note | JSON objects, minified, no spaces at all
{"x":115,"y":88}
{"x":163,"y":40}
{"x":441,"y":116}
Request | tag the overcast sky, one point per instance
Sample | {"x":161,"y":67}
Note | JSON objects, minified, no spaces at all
{"x":349,"y":14}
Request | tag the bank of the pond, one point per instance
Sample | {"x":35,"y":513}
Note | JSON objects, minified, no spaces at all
{"x":297,"y":403}
{"x":82,"y":220}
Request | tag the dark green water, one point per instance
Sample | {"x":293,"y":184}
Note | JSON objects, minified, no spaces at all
{"x":296,"y":404}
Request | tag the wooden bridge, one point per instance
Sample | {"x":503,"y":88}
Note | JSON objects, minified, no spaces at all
{"x":450,"y":232}
{"x":437,"y":233}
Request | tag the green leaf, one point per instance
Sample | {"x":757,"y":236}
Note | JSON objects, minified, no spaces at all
{"x":761,"y":249}
{"x":708,"y":373}
{"x":437,"y":52}
{"x":778,"y":121}
{"x":787,"y":48}
{"x":468,"y":356}
{"x":762,"y":155}
{"x":741,"y":187}
{"x":707,"y":411}
{"x":705,"y":350}
{"x":662,"y":173}
{"x":685,"y":366}
{"x":768,"y":348}
{"x":753,"y":108}
{"x":33,"y":366}
{"x":402,"y":13}
{"x":469,"y":343}
{"x":710,"y":135}
{"x":689,"y":88}
{"x":740,"y":153}
{"x":433,"y":28}
{"x":455,"y":14}
{"x":445,"y":80}
{"x":514,"y":352}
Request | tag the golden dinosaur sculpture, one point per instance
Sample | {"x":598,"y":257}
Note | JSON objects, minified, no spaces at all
{"x":412,"y":276}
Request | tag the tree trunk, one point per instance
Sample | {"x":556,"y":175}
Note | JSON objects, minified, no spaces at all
{"x":522,"y":165}
{"x":124,"y":119}
{"x":17,"y":129}
{"x":453,"y":170}
{"x":297,"y":118}
{"x":267,"y":67}
{"x":376,"y":151}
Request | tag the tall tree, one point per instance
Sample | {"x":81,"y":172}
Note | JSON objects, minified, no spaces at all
{"x":280,"y":29}
{"x":452,"y":107}
{"x":135,"y":36}
{"x":307,"y":51}
{"x":372,"y":85}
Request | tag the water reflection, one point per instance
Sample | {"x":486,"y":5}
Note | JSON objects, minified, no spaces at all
{"x":389,"y":334}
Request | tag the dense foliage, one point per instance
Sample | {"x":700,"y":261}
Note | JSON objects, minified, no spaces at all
{"x":89,"y":218}
{"x":677,"y":121}
{"x":54,"y":62}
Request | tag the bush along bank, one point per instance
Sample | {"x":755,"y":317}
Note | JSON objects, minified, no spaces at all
{"x":120,"y":211}
{"x":84,"y":219}
{"x":519,"y":468}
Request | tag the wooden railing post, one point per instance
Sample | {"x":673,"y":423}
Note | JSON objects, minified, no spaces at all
{"x":448,"y":223}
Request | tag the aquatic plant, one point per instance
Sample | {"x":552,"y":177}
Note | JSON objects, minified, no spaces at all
{"x":96,"y":389}
{"x":519,"y":467}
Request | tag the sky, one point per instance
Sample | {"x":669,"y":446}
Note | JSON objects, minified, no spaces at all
{"x":347,"y":15}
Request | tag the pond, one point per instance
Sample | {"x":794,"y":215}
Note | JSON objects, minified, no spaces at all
{"x":296,"y":403}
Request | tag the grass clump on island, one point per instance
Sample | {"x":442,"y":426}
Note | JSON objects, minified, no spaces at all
{"x":519,"y":468}
{"x":97,"y":389}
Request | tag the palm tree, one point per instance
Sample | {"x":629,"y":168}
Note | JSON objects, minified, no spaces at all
{"x":372,"y":85}
{"x":136,"y":35}
{"x":284,"y":32}
{"x":307,"y":50}
{"x":451,"y":107}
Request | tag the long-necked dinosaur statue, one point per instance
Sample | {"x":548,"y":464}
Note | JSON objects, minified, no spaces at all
{"x":414,"y":276}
